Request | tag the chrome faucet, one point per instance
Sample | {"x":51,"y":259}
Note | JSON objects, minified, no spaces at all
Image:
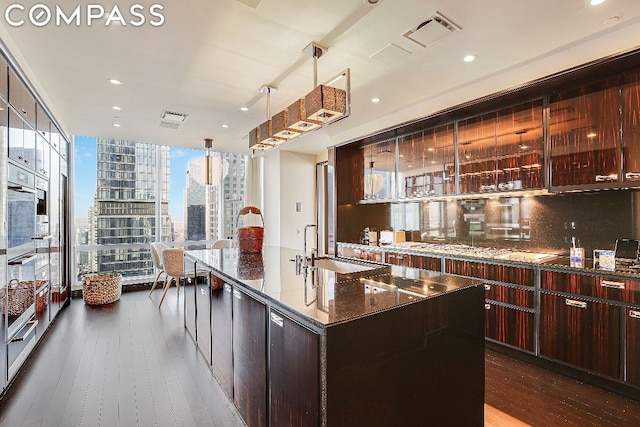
{"x":304,"y":249}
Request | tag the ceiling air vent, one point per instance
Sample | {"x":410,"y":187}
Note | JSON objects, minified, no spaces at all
{"x":390,"y":54}
{"x":173,"y":117}
{"x":431,"y":30}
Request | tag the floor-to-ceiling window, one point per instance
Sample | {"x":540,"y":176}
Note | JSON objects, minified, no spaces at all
{"x":129,"y":194}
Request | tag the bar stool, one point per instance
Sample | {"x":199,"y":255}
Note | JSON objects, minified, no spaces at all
{"x":173,"y":260}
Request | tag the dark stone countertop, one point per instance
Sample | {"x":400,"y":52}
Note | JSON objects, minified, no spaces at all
{"x":560,"y":263}
{"x":324,"y":297}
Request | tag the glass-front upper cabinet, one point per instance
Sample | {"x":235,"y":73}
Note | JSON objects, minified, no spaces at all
{"x":503,"y":150}
{"x":585,"y":134}
{"x":630,"y":89}
{"x":380,"y":171}
{"x":426,"y":163}
{"x":478,"y":154}
{"x":520,"y":147}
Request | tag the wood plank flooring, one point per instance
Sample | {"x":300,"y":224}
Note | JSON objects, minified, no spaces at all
{"x":130,"y":364}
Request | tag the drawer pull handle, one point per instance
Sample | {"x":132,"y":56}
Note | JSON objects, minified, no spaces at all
{"x":612,"y":284}
{"x":487,"y":287}
{"x":634,"y":314}
{"x":237,"y":294}
{"x":574,"y":303}
{"x":487,"y":306}
{"x":277,"y":320}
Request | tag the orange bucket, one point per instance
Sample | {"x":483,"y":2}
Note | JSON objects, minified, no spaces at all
{"x":250,"y":238}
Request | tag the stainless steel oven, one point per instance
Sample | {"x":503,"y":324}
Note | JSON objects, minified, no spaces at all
{"x":21,"y":212}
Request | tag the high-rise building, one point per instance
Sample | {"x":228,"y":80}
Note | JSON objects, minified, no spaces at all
{"x":125,"y":204}
{"x":227,"y":198}
{"x":195,"y":200}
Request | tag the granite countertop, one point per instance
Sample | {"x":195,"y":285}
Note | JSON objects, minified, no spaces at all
{"x":560,"y":262}
{"x":321,"y":296}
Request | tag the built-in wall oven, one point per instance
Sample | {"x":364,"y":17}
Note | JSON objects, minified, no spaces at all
{"x":19,"y":299}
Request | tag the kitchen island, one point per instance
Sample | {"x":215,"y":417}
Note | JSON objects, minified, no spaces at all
{"x":345,"y":344}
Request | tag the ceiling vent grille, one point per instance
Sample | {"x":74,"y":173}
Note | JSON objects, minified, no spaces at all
{"x":431,"y":30}
{"x":173,"y":116}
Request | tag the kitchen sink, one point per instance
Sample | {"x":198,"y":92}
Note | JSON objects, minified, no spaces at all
{"x":527,"y":256}
{"x":341,"y":267}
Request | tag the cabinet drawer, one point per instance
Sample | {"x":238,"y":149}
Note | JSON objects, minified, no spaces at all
{"x":509,"y":295}
{"x":592,"y":286}
{"x":509,"y":326}
{"x":412,"y":260}
{"x":631,"y":292}
{"x":500,"y":273}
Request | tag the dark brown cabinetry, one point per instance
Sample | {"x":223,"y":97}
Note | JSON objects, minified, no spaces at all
{"x":500,"y":273}
{"x":581,"y":332}
{"x":294,"y":382}
{"x":585,"y":134}
{"x":412,"y":260}
{"x":578,"y":284}
{"x":630,"y":90}
{"x":203,"y":319}
{"x":426,"y":163}
{"x":221,"y":334}
{"x":249,"y":358}
{"x":509,"y":325}
{"x":633,"y":345}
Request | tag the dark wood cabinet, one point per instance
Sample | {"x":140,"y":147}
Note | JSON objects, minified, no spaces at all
{"x":510,"y":295}
{"x":579,"y":284}
{"x":21,"y":99}
{"x":203,"y":318}
{"x":497,"y":272}
{"x":510,"y":326}
{"x":426,"y":163}
{"x":581,"y":332}
{"x":221,"y":334}
{"x":630,"y":91}
{"x":249,"y":358}
{"x":585,"y":134}
{"x":633,"y":345}
{"x":412,"y":260}
{"x":294,"y":380}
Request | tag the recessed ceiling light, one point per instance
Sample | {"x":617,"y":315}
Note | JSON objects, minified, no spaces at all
{"x":470,"y":58}
{"x":115,"y":107}
{"x":592,"y":135}
{"x":116,"y":125}
{"x":375,"y":100}
{"x":115,"y":82}
{"x":244,"y":108}
{"x":224,"y":125}
{"x":594,"y":2}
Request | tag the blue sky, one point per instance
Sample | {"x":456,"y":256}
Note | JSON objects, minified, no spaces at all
{"x":85,"y":177}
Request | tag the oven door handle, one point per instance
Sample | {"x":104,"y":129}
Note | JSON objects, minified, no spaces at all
{"x":22,"y":189}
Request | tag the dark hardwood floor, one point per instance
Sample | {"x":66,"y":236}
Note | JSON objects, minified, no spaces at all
{"x":124,"y":364}
{"x":130,"y":364}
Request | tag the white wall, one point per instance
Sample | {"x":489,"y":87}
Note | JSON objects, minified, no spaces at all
{"x":288,"y":178}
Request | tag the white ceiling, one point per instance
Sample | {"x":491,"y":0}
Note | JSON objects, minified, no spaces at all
{"x":211,"y":57}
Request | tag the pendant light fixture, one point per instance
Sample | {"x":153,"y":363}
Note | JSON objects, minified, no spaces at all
{"x":323,"y":105}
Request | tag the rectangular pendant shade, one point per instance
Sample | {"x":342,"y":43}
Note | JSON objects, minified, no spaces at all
{"x":325,"y":104}
{"x":297,"y":117}
{"x":265,"y":134}
{"x":280,"y":126}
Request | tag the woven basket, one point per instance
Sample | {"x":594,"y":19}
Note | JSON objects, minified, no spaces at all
{"x":20,"y":297}
{"x":99,"y":289}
